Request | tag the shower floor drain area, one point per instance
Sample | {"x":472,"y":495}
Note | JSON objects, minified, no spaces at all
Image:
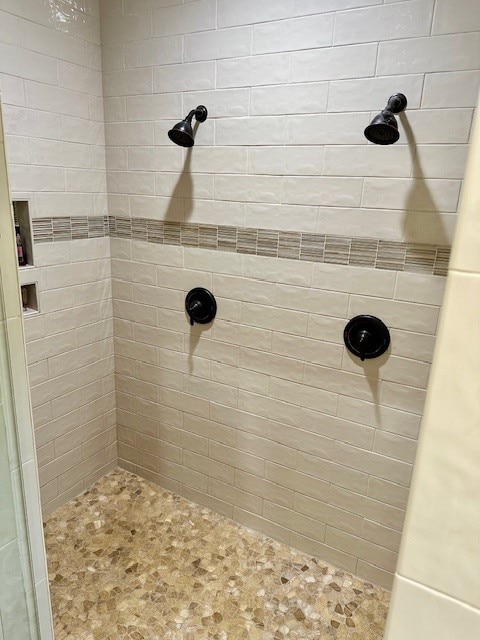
{"x":131,"y":561}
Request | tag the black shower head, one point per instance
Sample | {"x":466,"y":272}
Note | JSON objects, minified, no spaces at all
{"x":384,"y":128}
{"x":182,"y":132}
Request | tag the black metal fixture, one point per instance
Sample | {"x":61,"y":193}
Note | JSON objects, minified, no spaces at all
{"x":182,"y":132}
{"x":384,"y":128}
{"x":201,"y":306}
{"x":366,"y":337}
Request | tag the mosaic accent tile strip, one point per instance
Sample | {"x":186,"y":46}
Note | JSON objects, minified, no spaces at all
{"x":294,"y":245}
{"x":129,"y":560}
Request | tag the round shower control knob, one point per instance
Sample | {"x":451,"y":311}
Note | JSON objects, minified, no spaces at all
{"x":366,"y":337}
{"x":200,"y":305}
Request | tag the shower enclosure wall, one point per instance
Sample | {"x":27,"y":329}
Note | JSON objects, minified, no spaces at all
{"x":281,"y":209}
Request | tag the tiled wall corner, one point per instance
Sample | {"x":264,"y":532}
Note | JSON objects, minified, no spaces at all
{"x":51,"y":79}
{"x":263,"y":416}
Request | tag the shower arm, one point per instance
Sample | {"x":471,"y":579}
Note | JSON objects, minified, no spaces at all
{"x":200,"y":114}
{"x":396,"y":103}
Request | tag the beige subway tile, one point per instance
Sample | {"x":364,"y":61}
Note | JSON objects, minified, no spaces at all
{"x":239,"y":378}
{"x":210,"y":429}
{"x":403,"y":397}
{"x":138,"y":422}
{"x":388,"y":419}
{"x":296,"y":481}
{"x":364,"y":506}
{"x":213,"y":468}
{"x":135,"y":350}
{"x":264,"y":488}
{"x":137,"y":457}
{"x":334,"y":381}
{"x":271,"y":364}
{"x":184,"y":439}
{"x":388,"y":492}
{"x":137,"y":388}
{"x":395,"y":446}
{"x":244,"y":289}
{"x":302,"y":440}
{"x":400,"y":315}
{"x":269,"y":407}
{"x":236,"y":496}
{"x":308,"y":350}
{"x":381,"y":535}
{"x":153,"y":336}
{"x":379,"y":556}
{"x":285,"y":320}
{"x":184,"y":363}
{"x":375,"y":574}
{"x":417,"y":287}
{"x":263,"y":525}
{"x":218,"y":262}
{"x":183,"y":474}
{"x":184,"y":402}
{"x":274,"y":270}
{"x":159,"y":376}
{"x":373,"y":463}
{"x":213,"y":350}
{"x":238,"y":419}
{"x":70,"y":439}
{"x":242,"y":335}
{"x":198,"y":497}
{"x":337,"y":428}
{"x":324,"y":552}
{"x":158,"y":448}
{"x":301,"y":299}
{"x":236,"y":458}
{"x":60,"y":465}
{"x":392,"y":368}
{"x":294,"y":521}
{"x":331,"y":472}
{"x":325,"y":328}
{"x":214,"y":391}
{"x":279,"y":453}
{"x":330,"y":515}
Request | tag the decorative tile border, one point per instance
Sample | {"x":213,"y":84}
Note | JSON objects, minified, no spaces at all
{"x":294,"y":245}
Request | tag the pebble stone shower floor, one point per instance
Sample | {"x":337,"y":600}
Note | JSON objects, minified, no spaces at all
{"x":129,"y":560}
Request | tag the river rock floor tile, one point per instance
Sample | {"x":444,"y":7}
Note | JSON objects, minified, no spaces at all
{"x":129,"y":560}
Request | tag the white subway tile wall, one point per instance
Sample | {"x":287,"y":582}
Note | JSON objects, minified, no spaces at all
{"x":262,"y":416}
{"x":51,"y":81}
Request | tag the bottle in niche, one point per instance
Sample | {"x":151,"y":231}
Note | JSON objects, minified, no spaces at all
{"x":22,"y":260}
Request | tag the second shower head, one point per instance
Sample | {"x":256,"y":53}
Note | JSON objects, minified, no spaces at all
{"x":384,"y":128}
{"x":182,"y":132}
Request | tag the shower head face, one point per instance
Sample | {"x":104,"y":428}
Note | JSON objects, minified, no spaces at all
{"x":383,"y":129}
{"x":182,"y":134}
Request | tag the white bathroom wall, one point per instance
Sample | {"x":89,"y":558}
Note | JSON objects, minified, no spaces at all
{"x":50,"y":74}
{"x":290,"y":86}
{"x":24,"y":592}
{"x":436,"y":590}
{"x":296,"y":224}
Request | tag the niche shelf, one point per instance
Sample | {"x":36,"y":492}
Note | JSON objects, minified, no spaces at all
{"x":30,"y":298}
{"x":22,"y":217}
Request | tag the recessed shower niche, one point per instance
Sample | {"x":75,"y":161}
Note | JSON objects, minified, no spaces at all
{"x":23,"y":232}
